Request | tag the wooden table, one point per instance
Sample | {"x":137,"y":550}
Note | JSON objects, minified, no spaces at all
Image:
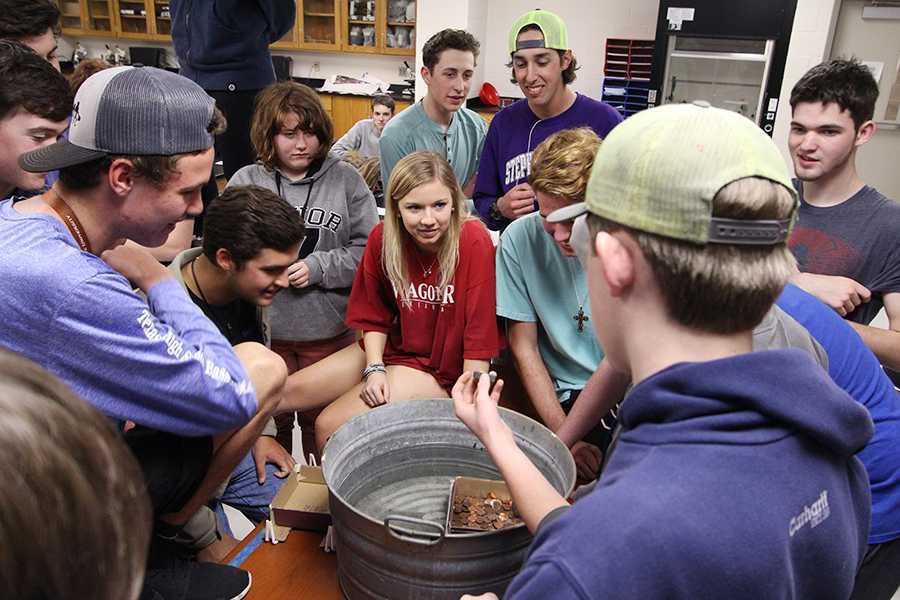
{"x":295,"y":568}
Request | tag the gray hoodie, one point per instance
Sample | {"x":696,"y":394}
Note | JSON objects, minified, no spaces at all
{"x":340,"y":212}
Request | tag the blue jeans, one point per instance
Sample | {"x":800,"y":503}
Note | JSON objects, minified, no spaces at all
{"x":245,"y":494}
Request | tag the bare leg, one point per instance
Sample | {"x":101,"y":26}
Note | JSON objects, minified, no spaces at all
{"x":320,"y":383}
{"x":268,"y":374}
{"x":405,"y":384}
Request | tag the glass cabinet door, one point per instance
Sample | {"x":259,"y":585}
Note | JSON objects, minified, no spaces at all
{"x":361,"y":25}
{"x":728,"y":73}
{"x":320,"y":23}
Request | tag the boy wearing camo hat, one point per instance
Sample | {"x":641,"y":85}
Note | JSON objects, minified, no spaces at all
{"x":734,"y":474}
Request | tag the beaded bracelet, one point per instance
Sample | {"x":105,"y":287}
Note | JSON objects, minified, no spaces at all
{"x":373,"y":368}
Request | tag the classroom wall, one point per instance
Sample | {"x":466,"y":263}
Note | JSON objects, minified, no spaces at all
{"x":874,"y":40}
{"x":589,"y":23}
{"x":810,"y":44}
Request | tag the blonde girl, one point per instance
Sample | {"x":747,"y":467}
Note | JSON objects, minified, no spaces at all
{"x":423,"y":297}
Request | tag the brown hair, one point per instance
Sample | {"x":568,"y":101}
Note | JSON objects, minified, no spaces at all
{"x":448,"y":39}
{"x":76,"y":518}
{"x":247,"y":219}
{"x":155,"y":169}
{"x":568,"y":75}
{"x":273,"y":105}
{"x":383,"y":100}
{"x":719,"y":288}
{"x":85,"y":69}
{"x":368,"y":167}
{"x":561,"y":164}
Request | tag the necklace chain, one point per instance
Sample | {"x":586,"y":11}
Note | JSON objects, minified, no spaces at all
{"x":426,"y":271}
{"x":579,"y":316}
{"x":212,"y":308}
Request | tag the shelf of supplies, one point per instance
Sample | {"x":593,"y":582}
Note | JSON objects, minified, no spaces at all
{"x":141,"y":17}
{"x":360,"y":22}
{"x":401,"y":23}
{"x":318,"y":14}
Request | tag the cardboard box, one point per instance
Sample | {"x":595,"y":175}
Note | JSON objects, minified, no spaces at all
{"x":301,"y":503}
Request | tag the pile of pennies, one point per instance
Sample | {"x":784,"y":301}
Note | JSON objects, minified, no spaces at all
{"x":483,"y":513}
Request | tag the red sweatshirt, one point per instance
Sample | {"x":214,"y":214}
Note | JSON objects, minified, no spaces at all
{"x":438,"y":328}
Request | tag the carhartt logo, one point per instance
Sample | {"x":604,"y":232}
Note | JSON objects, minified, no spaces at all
{"x":812,"y":515}
{"x":76,"y":115}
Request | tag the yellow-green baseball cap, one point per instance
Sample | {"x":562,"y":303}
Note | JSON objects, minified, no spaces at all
{"x":556,"y":35}
{"x":659,"y":170}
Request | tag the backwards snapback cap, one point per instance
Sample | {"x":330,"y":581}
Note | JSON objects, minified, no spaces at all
{"x":556,"y":36}
{"x":659,"y":170}
{"x":130,"y":111}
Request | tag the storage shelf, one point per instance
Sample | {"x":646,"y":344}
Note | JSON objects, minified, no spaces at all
{"x":627,"y":69}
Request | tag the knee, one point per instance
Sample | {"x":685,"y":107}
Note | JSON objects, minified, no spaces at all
{"x":327,"y":423}
{"x":267,"y":372}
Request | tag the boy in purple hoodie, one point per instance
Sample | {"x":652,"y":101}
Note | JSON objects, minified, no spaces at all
{"x":733,"y":475}
{"x":543,"y":65}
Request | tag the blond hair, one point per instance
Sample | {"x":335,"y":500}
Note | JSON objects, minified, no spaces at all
{"x":368,"y":167}
{"x":561,"y":164}
{"x":720,"y":288}
{"x":412,"y":171}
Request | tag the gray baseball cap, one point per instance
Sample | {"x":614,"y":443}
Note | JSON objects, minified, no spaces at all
{"x":141,"y":111}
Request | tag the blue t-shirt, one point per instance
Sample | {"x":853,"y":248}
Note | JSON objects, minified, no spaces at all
{"x":537,"y":284}
{"x":514,"y":134}
{"x":856,"y":370}
{"x":159,"y":363}
{"x":413,"y":130}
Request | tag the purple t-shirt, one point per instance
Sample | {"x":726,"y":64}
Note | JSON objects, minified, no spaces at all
{"x":514,"y":134}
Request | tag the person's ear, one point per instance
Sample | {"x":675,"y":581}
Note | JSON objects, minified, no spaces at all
{"x":617,"y":262}
{"x":426,"y":74}
{"x":566,"y":59}
{"x":121,"y":176}
{"x":225,"y":261}
{"x":865,"y":133}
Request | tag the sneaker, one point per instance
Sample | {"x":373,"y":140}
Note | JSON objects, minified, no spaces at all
{"x":196,"y":581}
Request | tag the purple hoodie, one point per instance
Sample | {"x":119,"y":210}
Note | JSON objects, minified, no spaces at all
{"x":734,"y":478}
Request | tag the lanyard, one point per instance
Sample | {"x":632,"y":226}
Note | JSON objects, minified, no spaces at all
{"x":71,"y":221}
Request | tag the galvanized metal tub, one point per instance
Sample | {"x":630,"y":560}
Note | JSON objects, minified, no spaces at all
{"x":389,"y":473}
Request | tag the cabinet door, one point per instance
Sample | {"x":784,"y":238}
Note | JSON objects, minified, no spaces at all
{"x":363,"y":26}
{"x":320,"y":22}
{"x":291,"y":39}
{"x":399,"y":32}
{"x":162,"y":19}
{"x":72,"y":18}
{"x":134,"y":20}
{"x":99,"y":17}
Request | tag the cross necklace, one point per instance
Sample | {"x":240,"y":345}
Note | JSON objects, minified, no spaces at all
{"x":579,"y":316}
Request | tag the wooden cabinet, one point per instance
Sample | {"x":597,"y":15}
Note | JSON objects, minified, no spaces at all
{"x":87,"y":17}
{"x":379,"y":27}
{"x":317,"y":27}
{"x":143,"y":19}
{"x":346,"y":110}
{"x":366,"y":26}
{"x":320,"y":24}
